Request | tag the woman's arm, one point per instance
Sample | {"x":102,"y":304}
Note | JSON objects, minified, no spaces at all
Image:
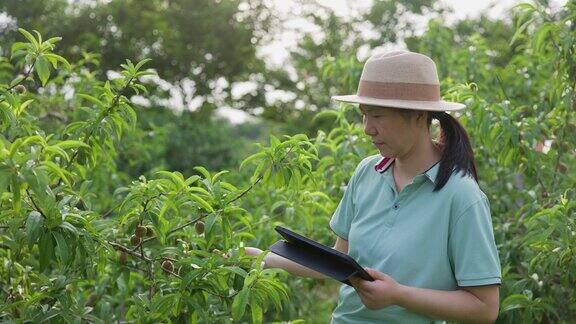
{"x":273,"y":260}
{"x":469,"y":304}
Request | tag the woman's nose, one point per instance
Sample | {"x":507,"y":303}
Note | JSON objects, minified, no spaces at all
{"x":369,"y":128}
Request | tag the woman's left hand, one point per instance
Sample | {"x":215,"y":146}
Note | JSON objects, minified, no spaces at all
{"x":379,"y":293}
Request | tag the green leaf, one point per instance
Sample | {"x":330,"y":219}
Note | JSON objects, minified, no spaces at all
{"x":46,"y":250}
{"x":260,"y":258}
{"x":277,"y":293}
{"x":267,"y":174}
{"x":176,"y":178}
{"x":274,"y":141}
{"x":191,"y":276}
{"x":39,"y":36}
{"x":141,"y":63}
{"x":61,"y":247}
{"x":524,"y":6}
{"x":29,"y":36}
{"x":191,"y":180}
{"x":542,"y":35}
{"x":200,"y":190}
{"x":71,"y":144}
{"x":210,"y":220}
{"x":203,"y":171}
{"x":168,"y":205}
{"x":33,"y":227}
{"x":252,"y":157}
{"x":228,"y":186}
{"x":217,"y":175}
{"x":19,"y":47}
{"x":16,"y":191}
{"x":44,"y":317}
{"x":239,"y":304}
{"x":71,"y":228}
{"x":91,"y":99}
{"x":325,"y":114}
{"x":163,"y":305}
{"x":202,"y":202}
{"x":53,"y":40}
{"x":237,"y":270}
{"x":5,"y":178}
{"x":160,"y":225}
{"x":26,"y":104}
{"x":57,"y":150}
{"x":42,"y":69}
{"x":17,"y":80}
{"x":256,"y":312}
{"x":514,"y":301}
{"x":253,"y":274}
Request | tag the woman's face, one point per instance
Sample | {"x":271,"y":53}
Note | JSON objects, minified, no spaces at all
{"x":393,"y":133}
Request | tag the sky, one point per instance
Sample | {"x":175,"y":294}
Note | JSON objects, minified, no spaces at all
{"x":276,"y":53}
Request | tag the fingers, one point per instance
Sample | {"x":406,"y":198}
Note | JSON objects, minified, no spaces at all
{"x":357,"y":283}
{"x":353,"y":281}
{"x":363,"y":296}
{"x":372,"y":273}
{"x":252,"y":251}
{"x":375,"y":273}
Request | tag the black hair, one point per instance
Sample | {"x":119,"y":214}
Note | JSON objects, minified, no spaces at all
{"x":457,"y":154}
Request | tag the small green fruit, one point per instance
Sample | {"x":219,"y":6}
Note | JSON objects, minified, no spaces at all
{"x":135,"y":240}
{"x":92,"y":299}
{"x":123,"y":258}
{"x":20,"y":89}
{"x":167,"y":266}
{"x":199,"y":227}
{"x":140,"y":231}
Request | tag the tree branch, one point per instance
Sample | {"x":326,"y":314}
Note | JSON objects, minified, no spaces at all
{"x":26,"y":75}
{"x":35,"y":206}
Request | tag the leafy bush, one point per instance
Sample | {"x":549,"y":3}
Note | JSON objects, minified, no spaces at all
{"x":83,"y":240}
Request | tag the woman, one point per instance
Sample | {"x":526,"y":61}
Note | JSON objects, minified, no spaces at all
{"x":413,"y":215}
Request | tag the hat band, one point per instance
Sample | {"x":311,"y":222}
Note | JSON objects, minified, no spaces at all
{"x":398,"y":90}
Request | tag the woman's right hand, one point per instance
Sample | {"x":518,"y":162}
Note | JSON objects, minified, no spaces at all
{"x":275,"y":261}
{"x":252,"y":251}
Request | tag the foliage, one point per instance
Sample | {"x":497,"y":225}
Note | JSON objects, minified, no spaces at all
{"x":521,"y":113}
{"x":65,"y":240}
{"x":191,"y":42}
{"x":82,"y":240}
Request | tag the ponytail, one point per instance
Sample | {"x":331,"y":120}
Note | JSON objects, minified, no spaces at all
{"x":457,"y":152}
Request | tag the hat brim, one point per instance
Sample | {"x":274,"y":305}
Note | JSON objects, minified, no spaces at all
{"x":440,"y":105}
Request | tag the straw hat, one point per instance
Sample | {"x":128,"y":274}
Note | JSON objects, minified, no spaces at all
{"x":400,"y":79}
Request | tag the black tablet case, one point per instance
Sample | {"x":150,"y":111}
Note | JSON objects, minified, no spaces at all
{"x":318,"y":257}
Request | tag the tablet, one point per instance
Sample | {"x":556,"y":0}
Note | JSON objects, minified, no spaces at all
{"x":332,"y":261}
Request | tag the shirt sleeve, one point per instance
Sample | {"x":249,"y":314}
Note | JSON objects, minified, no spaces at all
{"x":342,"y":217}
{"x":472,"y":249}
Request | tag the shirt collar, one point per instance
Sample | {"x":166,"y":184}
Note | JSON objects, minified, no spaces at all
{"x":384,"y":164}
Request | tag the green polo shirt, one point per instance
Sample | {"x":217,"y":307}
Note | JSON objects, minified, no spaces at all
{"x":437,"y":240}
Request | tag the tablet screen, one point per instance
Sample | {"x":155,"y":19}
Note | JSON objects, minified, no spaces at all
{"x":298,"y":239}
